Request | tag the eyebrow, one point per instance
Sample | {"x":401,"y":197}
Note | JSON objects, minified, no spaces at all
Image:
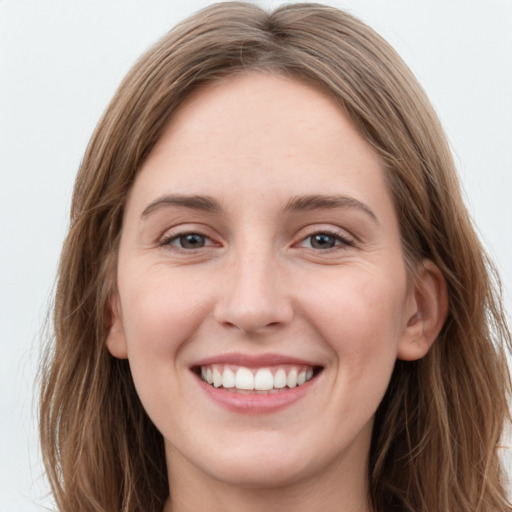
{"x":295,"y":204}
{"x":319,"y":202}
{"x":194,"y":202}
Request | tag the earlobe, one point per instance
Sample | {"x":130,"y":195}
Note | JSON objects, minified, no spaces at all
{"x":116,"y":341}
{"x":427,"y":313}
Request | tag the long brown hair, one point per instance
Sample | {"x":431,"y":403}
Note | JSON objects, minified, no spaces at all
{"x":437,"y":432}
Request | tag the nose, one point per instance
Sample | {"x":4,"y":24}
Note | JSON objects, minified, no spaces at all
{"x":253,"y":296}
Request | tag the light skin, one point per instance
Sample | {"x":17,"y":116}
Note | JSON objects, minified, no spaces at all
{"x":261,"y":224}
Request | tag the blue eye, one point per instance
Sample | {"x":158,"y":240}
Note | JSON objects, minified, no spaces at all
{"x":192,"y":241}
{"x":325,"y":241}
{"x":188,"y":241}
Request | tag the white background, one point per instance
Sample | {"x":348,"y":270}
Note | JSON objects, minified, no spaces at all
{"x":60,"y":62}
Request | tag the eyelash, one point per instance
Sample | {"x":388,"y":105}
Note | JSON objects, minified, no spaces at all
{"x":168,"y":241}
{"x":341,"y":241}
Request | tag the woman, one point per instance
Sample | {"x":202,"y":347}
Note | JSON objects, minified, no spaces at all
{"x":271,"y":295}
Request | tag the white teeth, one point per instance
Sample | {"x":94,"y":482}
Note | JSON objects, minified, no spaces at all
{"x":228,"y":378}
{"x":263,"y":379}
{"x":291,"y":380}
{"x":244,"y":379}
{"x":280,"y":378}
{"x":217,"y":378}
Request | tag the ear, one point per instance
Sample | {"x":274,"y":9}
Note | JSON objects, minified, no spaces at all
{"x":427,"y":308}
{"x":116,"y":341}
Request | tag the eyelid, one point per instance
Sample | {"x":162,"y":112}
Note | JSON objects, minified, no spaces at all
{"x":167,"y":240}
{"x":345,"y":238}
{"x":341,"y":235}
{"x":183,"y":230}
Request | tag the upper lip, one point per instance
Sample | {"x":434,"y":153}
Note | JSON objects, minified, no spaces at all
{"x":253,"y":361}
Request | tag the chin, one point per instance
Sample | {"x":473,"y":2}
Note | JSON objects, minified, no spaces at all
{"x":263,"y":473}
{"x":258,"y":464}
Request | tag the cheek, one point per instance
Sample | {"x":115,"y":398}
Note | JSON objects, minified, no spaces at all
{"x":160,"y":313}
{"x":359,"y":314}
{"x":160,"y":316}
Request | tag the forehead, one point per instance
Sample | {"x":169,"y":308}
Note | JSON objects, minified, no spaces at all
{"x":263,"y":121}
{"x":261,"y":135}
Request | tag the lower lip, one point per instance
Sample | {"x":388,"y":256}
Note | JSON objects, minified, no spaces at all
{"x":247,"y":403}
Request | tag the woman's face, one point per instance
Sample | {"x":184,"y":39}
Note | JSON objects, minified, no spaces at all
{"x":260,"y":247}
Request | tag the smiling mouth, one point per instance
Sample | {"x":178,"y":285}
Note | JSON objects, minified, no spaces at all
{"x":265,"y":380}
